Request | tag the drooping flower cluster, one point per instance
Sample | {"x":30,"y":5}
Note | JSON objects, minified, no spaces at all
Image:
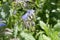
{"x":22,"y":2}
{"x":27,"y":18}
{"x":18,"y":1}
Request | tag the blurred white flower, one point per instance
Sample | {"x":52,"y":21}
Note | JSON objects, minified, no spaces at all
{"x":38,"y":18}
{"x":52,"y":3}
{"x":58,"y":9}
{"x":47,"y":11}
{"x":47,"y":15}
{"x":53,"y":11}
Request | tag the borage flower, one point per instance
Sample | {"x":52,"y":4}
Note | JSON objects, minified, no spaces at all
{"x":2,"y":24}
{"x":28,"y":14}
{"x":24,"y":17}
{"x":27,"y":18}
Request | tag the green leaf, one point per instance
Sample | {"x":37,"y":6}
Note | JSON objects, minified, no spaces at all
{"x":57,"y":27}
{"x":40,"y":37}
{"x":27,"y":36}
{"x":45,"y":28}
{"x":44,"y":37}
{"x":42,"y":24}
{"x":3,"y":14}
{"x":15,"y":30}
{"x":37,"y":2}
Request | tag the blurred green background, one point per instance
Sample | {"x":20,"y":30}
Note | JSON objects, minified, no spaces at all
{"x":29,"y":19}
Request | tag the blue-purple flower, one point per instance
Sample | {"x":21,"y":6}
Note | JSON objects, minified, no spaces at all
{"x":2,"y":24}
{"x":27,"y":18}
{"x":24,"y":17}
{"x":27,"y":14}
{"x":30,"y":11}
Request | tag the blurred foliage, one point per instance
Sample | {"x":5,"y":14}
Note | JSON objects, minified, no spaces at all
{"x":43,"y":20}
